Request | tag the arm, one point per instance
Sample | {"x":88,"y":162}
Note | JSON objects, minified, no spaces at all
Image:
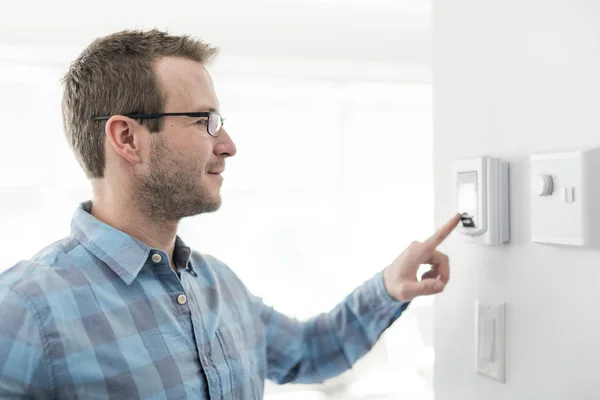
{"x":331,"y":343}
{"x":23,"y":370}
{"x":328,"y":344}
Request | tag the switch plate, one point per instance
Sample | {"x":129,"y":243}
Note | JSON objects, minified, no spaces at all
{"x":490,"y":334}
{"x":569,"y":214}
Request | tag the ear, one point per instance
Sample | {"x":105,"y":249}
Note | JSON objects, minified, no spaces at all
{"x":126,"y":137}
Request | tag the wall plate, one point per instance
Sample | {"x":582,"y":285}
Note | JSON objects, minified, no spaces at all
{"x":564,"y":198}
{"x":490,"y":335}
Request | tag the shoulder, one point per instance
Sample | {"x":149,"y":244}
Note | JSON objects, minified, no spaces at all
{"x":220,"y":273}
{"x":43,"y":272}
{"x":203,"y":260}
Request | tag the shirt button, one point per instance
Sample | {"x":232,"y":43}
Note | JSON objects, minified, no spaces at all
{"x":156,"y":258}
{"x":182,"y":299}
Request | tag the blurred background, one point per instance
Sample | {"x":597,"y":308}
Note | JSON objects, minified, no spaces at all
{"x":330,"y":105}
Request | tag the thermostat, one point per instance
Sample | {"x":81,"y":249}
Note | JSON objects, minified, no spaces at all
{"x":482,"y":199}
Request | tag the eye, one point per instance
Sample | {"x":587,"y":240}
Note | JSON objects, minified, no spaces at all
{"x":203,"y":121}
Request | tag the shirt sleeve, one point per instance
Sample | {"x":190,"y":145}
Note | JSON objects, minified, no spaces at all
{"x":330,"y":343}
{"x":23,"y":368}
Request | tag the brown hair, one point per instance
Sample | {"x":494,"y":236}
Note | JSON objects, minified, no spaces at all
{"x":115,"y":75}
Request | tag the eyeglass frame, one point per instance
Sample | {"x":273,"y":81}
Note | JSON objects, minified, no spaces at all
{"x":202,"y":114}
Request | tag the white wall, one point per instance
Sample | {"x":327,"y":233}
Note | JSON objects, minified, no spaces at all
{"x":363,"y":30}
{"x":511,"y":78}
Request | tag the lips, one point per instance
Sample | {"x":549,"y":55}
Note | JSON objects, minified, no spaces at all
{"x":216,"y":169}
{"x":216,"y":175}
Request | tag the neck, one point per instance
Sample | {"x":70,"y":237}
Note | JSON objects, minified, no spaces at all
{"x":120,"y":213}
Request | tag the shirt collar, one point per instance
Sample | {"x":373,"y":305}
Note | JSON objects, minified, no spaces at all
{"x":124,"y":254}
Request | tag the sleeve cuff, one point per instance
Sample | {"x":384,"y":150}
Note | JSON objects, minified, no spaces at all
{"x":381,"y":300}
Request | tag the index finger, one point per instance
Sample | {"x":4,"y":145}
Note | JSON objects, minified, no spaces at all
{"x":442,"y":233}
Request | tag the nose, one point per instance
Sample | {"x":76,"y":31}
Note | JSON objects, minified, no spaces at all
{"x":224,"y":146}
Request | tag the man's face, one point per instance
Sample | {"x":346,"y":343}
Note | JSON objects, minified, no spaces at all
{"x":183,"y":174}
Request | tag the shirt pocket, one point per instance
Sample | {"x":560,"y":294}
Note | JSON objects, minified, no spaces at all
{"x":245,"y":354}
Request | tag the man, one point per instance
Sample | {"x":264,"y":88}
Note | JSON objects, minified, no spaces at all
{"x":122,"y":308}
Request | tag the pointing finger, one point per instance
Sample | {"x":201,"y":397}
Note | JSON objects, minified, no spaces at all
{"x":442,"y":233}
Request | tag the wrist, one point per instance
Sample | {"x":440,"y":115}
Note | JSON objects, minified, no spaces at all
{"x":388,"y":282}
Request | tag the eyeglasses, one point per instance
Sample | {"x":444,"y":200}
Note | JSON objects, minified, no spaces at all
{"x":213,"y":121}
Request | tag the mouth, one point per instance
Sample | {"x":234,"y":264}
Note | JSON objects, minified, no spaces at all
{"x":216,"y":174}
{"x":215,"y":170}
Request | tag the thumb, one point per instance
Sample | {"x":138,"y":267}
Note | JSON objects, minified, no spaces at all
{"x":425,"y":287}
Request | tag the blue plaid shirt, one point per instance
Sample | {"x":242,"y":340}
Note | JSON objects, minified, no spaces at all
{"x":100,"y":315}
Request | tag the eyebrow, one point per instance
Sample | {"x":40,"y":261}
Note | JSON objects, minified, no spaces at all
{"x":205,"y":109}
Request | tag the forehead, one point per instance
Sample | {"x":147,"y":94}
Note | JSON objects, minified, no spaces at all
{"x":186,"y":84}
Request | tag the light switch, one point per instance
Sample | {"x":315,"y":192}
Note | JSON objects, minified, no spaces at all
{"x":569,"y":194}
{"x":490,"y":320}
{"x":486,"y":342}
{"x":564,"y":198}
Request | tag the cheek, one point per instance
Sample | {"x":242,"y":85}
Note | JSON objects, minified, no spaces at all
{"x":197,"y":151}
{"x":189,"y":161}
{"x":190,"y":148}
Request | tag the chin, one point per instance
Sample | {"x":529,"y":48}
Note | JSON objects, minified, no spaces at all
{"x":212,"y":204}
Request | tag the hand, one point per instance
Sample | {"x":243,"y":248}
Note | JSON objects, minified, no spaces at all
{"x":400,"y":277}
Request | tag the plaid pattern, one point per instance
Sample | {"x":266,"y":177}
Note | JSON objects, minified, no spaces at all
{"x":98,"y":315}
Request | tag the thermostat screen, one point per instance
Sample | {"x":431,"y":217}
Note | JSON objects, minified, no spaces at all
{"x":467,"y":198}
